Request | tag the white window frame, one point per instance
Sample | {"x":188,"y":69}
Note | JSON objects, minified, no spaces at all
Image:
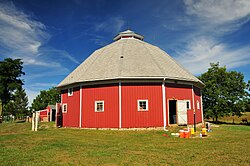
{"x":70,"y":91}
{"x":138,"y":104}
{"x":63,"y":108}
{"x":99,"y":101}
{"x":198,"y":104}
{"x":188,"y":101}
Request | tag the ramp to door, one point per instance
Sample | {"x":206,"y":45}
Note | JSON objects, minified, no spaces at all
{"x":182,"y":112}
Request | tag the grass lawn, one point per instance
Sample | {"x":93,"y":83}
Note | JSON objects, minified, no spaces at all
{"x":234,"y":119}
{"x":226,"y":145}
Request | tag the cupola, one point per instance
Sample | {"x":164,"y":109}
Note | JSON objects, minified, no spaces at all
{"x":128,"y":34}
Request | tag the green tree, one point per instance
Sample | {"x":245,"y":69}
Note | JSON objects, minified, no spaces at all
{"x":9,"y":108}
{"x":224,"y":92}
{"x":45,"y":98}
{"x":18,"y":106}
{"x":21,"y":102}
{"x":248,"y":99}
{"x":10,"y":73}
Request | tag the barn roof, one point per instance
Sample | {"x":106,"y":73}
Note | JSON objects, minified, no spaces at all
{"x":128,"y":57}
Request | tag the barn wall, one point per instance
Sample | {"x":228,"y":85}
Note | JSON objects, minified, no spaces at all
{"x":71,"y":117}
{"x":131,"y":93}
{"x":44,"y":115}
{"x":131,"y":117}
{"x":44,"y":112}
{"x":197,"y":99}
{"x":107,"y":119}
{"x":180,"y":92}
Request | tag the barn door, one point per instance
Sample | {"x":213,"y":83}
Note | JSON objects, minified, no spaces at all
{"x":182,"y":112}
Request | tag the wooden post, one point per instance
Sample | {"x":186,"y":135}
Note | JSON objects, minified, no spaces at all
{"x":33,"y":120}
{"x":194,"y":123}
{"x":56,"y":114}
{"x":36,"y":120}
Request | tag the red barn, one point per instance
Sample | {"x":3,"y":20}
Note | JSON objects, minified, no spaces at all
{"x":48,"y":114}
{"x":130,"y":84}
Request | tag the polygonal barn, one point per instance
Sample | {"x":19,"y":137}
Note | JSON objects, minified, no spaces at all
{"x":130,"y":84}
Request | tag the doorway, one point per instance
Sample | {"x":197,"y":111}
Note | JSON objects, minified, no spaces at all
{"x":59,"y":117}
{"x":53,"y":115}
{"x":172,"y":111}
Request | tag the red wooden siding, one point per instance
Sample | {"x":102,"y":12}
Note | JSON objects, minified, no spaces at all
{"x":131,"y":117}
{"x":131,"y":93}
{"x":107,"y":119}
{"x":44,"y":114}
{"x":197,"y":95}
{"x":180,"y":92}
{"x":71,"y":117}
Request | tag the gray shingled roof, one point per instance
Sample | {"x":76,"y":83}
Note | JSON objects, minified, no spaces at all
{"x":128,"y":58}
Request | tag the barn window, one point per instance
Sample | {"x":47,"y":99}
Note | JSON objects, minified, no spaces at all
{"x":198,"y":105}
{"x":188,"y":104}
{"x":142,"y":105}
{"x":99,"y":106}
{"x":70,"y":92}
{"x":64,"y":108}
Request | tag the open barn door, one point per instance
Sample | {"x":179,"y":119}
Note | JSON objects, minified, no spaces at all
{"x":59,"y":115}
{"x":182,"y":112}
{"x":172,"y":111}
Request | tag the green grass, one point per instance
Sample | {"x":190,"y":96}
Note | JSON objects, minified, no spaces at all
{"x":234,"y":119}
{"x":226,"y":145}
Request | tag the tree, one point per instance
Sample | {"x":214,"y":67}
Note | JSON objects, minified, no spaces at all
{"x":21,"y":101}
{"x":248,"y":99}
{"x":10,"y":73}
{"x":51,"y":96}
{"x":237,"y":92}
{"x":18,"y":106}
{"x":224,"y":92}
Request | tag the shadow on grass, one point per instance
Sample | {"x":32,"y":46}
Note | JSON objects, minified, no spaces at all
{"x":228,"y":123}
{"x":20,"y":121}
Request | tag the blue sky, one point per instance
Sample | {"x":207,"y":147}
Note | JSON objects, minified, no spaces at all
{"x":54,"y":37}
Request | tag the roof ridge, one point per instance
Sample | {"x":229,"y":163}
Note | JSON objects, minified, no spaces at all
{"x":165,"y":53}
{"x":121,"y":60}
{"x":151,"y":55}
{"x":101,"y":51}
{"x":92,"y":62}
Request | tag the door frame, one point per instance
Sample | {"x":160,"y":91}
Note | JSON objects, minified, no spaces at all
{"x":171,"y":99}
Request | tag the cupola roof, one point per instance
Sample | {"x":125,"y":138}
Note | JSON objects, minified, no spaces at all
{"x":128,"y":34}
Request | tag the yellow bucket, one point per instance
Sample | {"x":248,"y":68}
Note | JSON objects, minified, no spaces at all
{"x":204,"y":131}
{"x":192,"y":130}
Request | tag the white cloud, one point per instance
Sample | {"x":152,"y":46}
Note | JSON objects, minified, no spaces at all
{"x":33,"y":90}
{"x":31,"y":95}
{"x":211,"y":21}
{"x":201,"y":52}
{"x":58,"y":53}
{"x":18,"y":32}
{"x":219,"y":11}
{"x":21,"y":36}
{"x":112,"y":24}
{"x":44,"y":85}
